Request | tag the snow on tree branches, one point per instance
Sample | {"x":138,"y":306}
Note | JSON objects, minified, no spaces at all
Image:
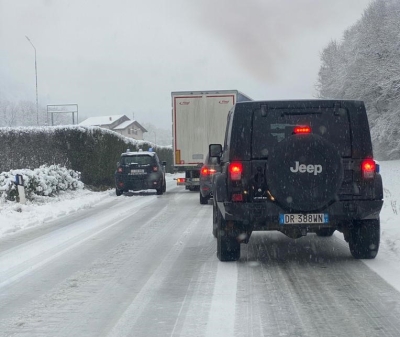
{"x":365,"y":65}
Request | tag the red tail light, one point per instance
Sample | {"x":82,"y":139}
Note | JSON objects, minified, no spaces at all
{"x":181,"y":180}
{"x":155,"y":168}
{"x":207,"y":171}
{"x":120,"y":170}
{"x":368,"y":168}
{"x":235,"y":170}
{"x":301,"y":129}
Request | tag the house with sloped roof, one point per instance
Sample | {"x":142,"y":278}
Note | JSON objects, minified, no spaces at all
{"x":118,"y":123}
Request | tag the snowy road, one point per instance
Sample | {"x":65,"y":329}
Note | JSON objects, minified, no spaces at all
{"x":145,"y":265}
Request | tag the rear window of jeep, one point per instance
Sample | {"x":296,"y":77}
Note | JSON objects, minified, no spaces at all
{"x":272,"y":127}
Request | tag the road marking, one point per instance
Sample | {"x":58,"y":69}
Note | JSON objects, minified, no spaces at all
{"x":221,"y":320}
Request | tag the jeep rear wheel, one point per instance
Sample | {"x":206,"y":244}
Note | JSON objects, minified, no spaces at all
{"x":364,"y":239}
{"x":215,"y":220}
{"x":118,"y":192}
{"x":228,"y":247}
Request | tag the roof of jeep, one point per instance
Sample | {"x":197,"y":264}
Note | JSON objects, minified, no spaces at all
{"x":240,"y":144}
{"x":304,"y":103}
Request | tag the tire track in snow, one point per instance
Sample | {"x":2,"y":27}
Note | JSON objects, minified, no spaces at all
{"x":126,"y":324}
{"x":23,"y":260}
{"x":221,"y":320}
{"x":312,"y":287}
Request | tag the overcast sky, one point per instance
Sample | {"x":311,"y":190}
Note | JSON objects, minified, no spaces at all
{"x":126,"y":56}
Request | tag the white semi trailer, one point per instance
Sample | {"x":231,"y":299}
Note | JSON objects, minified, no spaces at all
{"x":198,"y":119}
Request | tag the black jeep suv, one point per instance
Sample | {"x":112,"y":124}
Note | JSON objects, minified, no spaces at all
{"x":297,"y":167}
{"x":139,"y":171}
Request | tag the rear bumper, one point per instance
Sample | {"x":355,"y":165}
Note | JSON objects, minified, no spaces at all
{"x":265,"y":215}
{"x":132,"y":183}
{"x":191,"y":182}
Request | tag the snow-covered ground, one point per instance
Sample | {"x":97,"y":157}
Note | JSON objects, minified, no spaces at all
{"x":16,"y":217}
{"x":387,"y":263}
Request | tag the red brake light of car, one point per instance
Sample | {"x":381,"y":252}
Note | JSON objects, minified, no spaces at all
{"x":235,"y":170}
{"x":368,"y":168}
{"x":204,"y":170}
{"x":207,"y":171}
{"x":120,"y":170}
{"x":181,"y":180}
{"x":301,"y":129}
{"x":155,"y":168}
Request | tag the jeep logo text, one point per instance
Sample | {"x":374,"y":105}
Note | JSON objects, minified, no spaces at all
{"x":306,"y":168}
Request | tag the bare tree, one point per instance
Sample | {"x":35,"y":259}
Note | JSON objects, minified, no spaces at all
{"x":8,"y":113}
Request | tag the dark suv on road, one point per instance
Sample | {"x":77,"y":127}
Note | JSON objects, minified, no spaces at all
{"x":138,"y":171}
{"x":297,"y":167}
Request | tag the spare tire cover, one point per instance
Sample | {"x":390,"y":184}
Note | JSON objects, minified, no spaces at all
{"x":304,"y":172}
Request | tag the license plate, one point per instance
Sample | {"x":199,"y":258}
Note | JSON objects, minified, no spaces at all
{"x":319,"y":218}
{"x":137,"y":171}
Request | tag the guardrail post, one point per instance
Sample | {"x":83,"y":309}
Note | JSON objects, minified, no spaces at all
{"x":19,"y":181}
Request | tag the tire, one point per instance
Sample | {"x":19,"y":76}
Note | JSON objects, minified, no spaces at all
{"x":203,"y":200}
{"x":364,"y":239}
{"x":287,"y":172}
{"x":214,"y":230}
{"x":228,"y":247}
{"x":118,"y":192}
{"x":325,"y":232}
{"x":165,"y":186}
{"x":161,"y":190}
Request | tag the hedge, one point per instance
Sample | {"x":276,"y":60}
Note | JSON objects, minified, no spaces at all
{"x":93,"y":151}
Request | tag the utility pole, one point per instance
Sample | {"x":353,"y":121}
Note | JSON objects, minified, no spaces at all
{"x":37,"y":100}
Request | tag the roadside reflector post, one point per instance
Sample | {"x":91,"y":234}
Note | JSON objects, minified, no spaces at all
{"x":19,"y":181}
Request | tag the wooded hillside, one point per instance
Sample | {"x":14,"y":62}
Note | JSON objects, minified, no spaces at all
{"x":365,"y":65}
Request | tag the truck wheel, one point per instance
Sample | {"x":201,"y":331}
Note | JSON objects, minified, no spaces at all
{"x":325,"y":232}
{"x":364,"y":239}
{"x":160,"y":190}
{"x":203,"y":200}
{"x":228,"y":247}
{"x":165,"y":186}
{"x":118,"y":192}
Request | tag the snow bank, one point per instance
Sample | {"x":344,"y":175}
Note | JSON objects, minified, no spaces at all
{"x":43,"y":181}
